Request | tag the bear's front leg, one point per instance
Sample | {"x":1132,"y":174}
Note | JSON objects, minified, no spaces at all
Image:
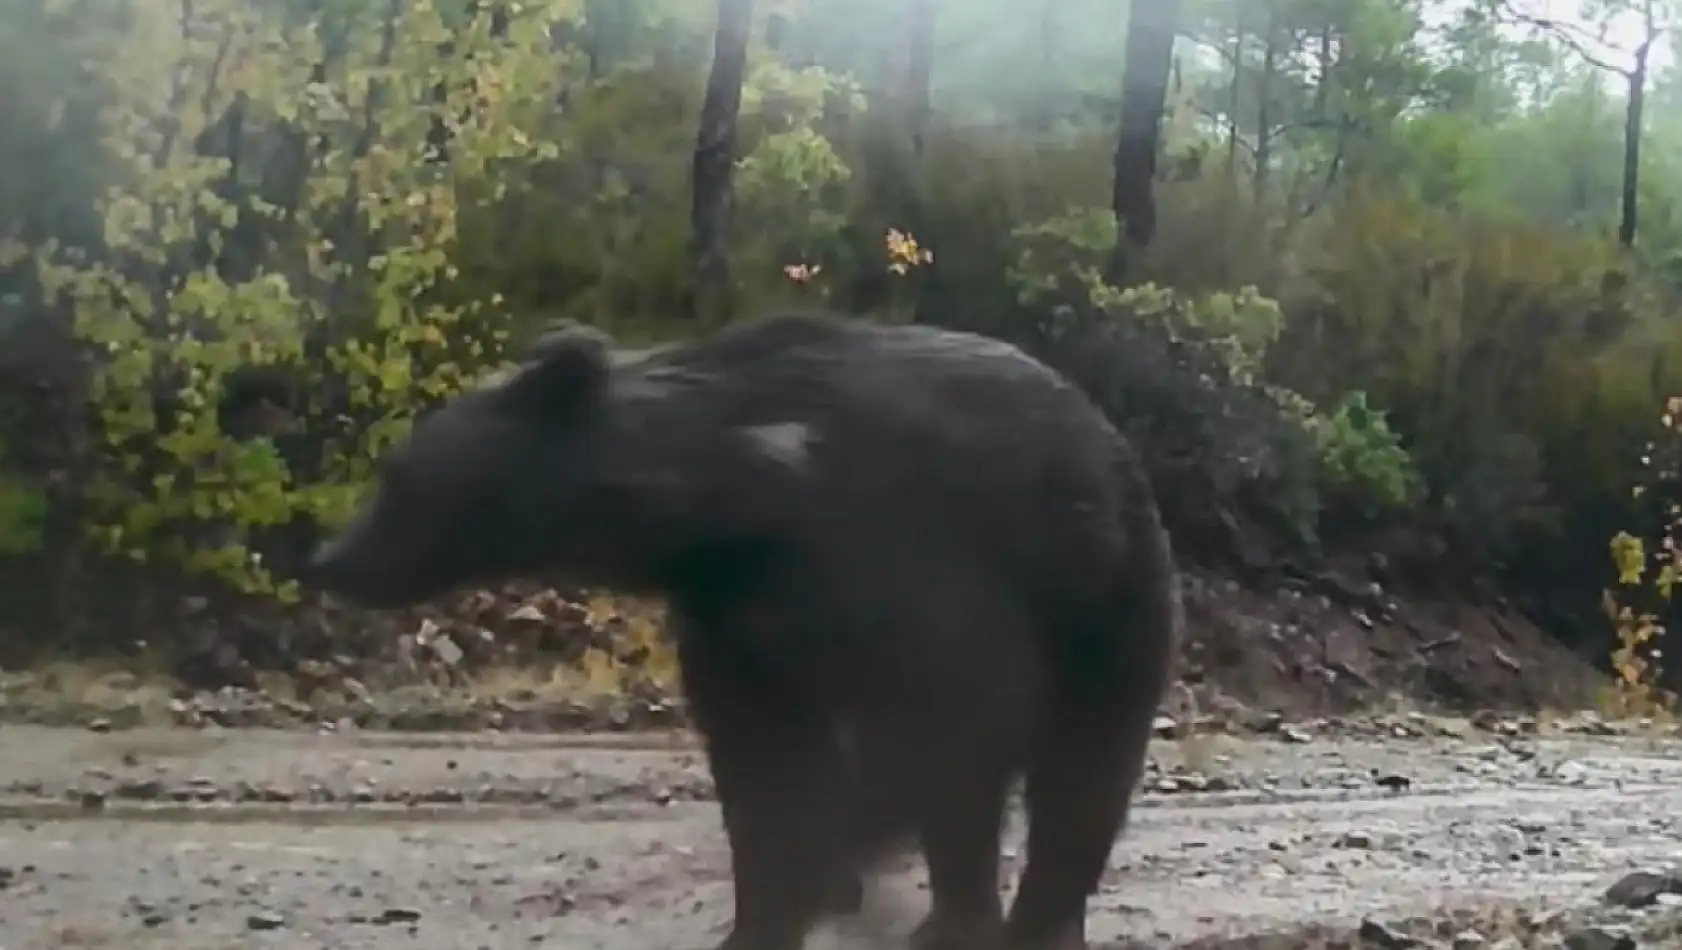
{"x":780,"y":777}
{"x":783,"y":847}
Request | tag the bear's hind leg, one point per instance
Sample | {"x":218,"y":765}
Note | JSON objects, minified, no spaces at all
{"x":960,"y":837}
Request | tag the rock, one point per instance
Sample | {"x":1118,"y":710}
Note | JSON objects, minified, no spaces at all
{"x":396,"y":915}
{"x":265,"y":920}
{"x":1354,"y":840}
{"x":1393,"y":781}
{"x":145,"y":789}
{"x":446,"y":650}
{"x":1385,"y":938}
{"x":1643,"y":888}
{"x":1600,"y":938}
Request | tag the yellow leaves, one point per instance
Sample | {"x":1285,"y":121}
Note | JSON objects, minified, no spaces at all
{"x":1635,"y":667}
{"x":1665,"y":581}
{"x":637,"y":648}
{"x":1652,"y":574}
{"x":1629,"y":556}
{"x":904,"y":253}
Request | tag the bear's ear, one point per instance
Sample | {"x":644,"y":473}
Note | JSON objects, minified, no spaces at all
{"x":563,"y":374}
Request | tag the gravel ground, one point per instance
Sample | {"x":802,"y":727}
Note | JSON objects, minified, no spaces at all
{"x":210,"y":840}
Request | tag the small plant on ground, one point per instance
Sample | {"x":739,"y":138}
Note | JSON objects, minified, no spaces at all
{"x":1647,"y":579}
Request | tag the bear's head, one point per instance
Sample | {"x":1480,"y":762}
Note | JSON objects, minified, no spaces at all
{"x":496,"y":483}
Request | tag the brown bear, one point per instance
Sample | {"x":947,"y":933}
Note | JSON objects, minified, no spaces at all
{"x":904,"y":567}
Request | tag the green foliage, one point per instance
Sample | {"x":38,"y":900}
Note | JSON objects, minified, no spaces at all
{"x":1364,"y":457}
{"x":1204,"y":355}
{"x":344,"y":281}
{"x":1062,"y":252}
{"x":1516,"y":358}
{"x":791,"y":182}
{"x":1381,"y":280}
{"x":23,"y":513}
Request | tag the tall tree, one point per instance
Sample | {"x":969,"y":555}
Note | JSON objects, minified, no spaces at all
{"x":1654,"y":17}
{"x":919,"y":69}
{"x":715,"y":159}
{"x":1151,"y":26}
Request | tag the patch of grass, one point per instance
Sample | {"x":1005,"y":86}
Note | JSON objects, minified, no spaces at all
{"x":69,"y":691}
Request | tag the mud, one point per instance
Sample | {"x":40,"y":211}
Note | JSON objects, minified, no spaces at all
{"x":207,"y":839}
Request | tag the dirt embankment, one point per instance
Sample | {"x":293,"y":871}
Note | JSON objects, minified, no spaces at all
{"x":524,"y":659}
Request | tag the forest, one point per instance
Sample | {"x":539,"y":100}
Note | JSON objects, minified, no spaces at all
{"x":1388,"y":282}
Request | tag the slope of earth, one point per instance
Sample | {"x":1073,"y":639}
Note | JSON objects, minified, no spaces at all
{"x":523,"y":659}
{"x":1341,"y":641}
{"x":366,"y":841}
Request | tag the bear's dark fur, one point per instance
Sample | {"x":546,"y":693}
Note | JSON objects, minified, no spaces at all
{"x":904,"y":567}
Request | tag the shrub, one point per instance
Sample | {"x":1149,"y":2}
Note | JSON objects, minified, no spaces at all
{"x":1363,"y":458}
{"x":1516,"y":360}
{"x":23,"y":513}
{"x":337,"y":266}
{"x":1186,"y":373}
{"x":1647,"y":574}
{"x":1179,"y":374}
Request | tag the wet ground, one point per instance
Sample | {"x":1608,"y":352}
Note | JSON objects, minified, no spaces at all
{"x":203,"y":839}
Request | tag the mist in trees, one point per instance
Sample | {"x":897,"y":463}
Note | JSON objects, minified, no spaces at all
{"x":1411,"y":260}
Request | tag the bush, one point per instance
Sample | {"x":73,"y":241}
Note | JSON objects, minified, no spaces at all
{"x":23,"y":513}
{"x":337,"y":270}
{"x":1181,"y":375}
{"x":1518,"y":361}
{"x":1363,"y":459}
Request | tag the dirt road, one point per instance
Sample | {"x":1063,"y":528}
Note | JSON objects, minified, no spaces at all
{"x":364,"y":841}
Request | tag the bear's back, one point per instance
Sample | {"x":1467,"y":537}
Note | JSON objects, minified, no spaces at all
{"x":902,"y":433}
{"x":817,"y":364}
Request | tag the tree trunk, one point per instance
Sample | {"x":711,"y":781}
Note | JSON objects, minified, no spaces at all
{"x":714,"y":161}
{"x":1264,"y":105}
{"x":1151,"y":25}
{"x":1235,"y":101}
{"x":1632,"y":144}
{"x":919,"y":72}
{"x":1042,"y":114}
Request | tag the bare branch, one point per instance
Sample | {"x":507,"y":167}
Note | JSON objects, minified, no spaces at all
{"x":1572,"y":35}
{"x":1218,"y":46}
